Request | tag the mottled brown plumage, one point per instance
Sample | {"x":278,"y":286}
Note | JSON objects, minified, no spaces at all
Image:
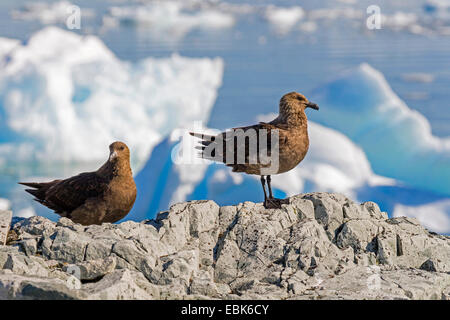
{"x":293,"y":143}
{"x":106,"y":195}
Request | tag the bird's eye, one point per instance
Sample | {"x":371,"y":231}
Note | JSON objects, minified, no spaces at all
{"x":122,"y":148}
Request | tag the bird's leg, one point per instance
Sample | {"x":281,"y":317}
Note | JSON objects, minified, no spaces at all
{"x":263,"y":183}
{"x":270,"y":187}
{"x":271,"y":202}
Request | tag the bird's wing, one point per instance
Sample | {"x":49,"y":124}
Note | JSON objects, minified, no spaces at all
{"x":67,"y":195}
{"x":218,"y":147}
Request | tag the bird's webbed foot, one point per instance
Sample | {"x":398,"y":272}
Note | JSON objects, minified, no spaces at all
{"x":275,"y":203}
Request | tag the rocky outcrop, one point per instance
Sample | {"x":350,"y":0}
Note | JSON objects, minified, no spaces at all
{"x":5,"y":220}
{"x":320,"y":246}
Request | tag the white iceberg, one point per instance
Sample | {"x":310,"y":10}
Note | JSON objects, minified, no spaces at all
{"x":5,"y":204}
{"x":396,"y":139}
{"x":25,"y":212}
{"x":174,"y":18}
{"x":284,"y":18}
{"x":66,"y":97}
{"x":49,"y":13}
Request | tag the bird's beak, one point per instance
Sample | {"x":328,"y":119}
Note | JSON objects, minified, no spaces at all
{"x":312,"y":106}
{"x":113,"y":155}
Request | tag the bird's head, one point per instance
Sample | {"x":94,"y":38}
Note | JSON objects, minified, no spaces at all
{"x":294,"y":102}
{"x":118,"y":151}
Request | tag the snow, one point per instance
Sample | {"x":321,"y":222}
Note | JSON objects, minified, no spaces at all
{"x":72,"y":85}
{"x":361,"y":105}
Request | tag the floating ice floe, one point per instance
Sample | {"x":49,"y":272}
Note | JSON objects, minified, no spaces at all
{"x":433,"y":6}
{"x":5,"y":204}
{"x":349,"y":13}
{"x":25,"y":212}
{"x":283,"y":18}
{"x":66,"y":97}
{"x":418,"y":77}
{"x":396,"y":139}
{"x":162,"y":18}
{"x":436,"y":22}
{"x":406,"y":21}
{"x":171,"y":20}
{"x":308,"y":26}
{"x":49,"y":13}
{"x":399,"y":20}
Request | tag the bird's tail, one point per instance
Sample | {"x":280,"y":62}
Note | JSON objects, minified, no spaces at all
{"x":38,"y":190}
{"x":217,"y":146}
{"x":205,"y":140}
{"x":35,"y":185}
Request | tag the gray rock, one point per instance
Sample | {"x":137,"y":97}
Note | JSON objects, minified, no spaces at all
{"x":29,"y":246}
{"x":68,"y":245}
{"x":203,"y":284}
{"x":21,"y":264}
{"x":95,"y":269}
{"x":23,"y":287}
{"x":5,"y":252}
{"x":328,"y":210}
{"x":35,"y":226}
{"x":5,"y":222}
{"x":320,"y":246}
{"x":121,"y":285}
{"x":429,"y":265}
